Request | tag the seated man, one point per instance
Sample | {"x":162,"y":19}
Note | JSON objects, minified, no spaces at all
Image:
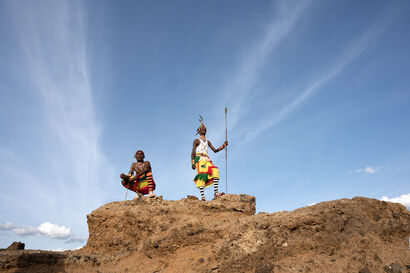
{"x":139,"y":178}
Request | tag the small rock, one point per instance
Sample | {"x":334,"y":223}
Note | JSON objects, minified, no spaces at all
{"x":191,"y":197}
{"x":376,"y":258}
{"x":201,"y":260}
{"x":393,"y":268}
{"x":376,"y":217}
{"x":264,"y":268}
{"x":16,"y":246}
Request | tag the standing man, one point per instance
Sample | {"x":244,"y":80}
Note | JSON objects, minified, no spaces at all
{"x":207,"y":173}
{"x":139,"y":178}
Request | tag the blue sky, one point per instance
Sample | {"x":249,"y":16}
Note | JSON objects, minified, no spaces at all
{"x":318,"y":98}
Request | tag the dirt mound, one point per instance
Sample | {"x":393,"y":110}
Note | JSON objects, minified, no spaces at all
{"x":154,"y":235}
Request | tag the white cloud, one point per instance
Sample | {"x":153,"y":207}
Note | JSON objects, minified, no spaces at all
{"x":59,"y":249}
{"x":403,"y":199}
{"x":75,"y":240}
{"x":369,"y":169}
{"x":6,"y":226}
{"x":65,"y":249}
{"x":26,"y":231}
{"x":46,"y":229}
{"x":55,"y":64}
{"x":54,"y":231}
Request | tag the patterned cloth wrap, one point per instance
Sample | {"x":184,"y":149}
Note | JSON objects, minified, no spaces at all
{"x":205,"y":170}
{"x":141,"y":184}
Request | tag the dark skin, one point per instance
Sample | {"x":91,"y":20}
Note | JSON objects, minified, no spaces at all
{"x":141,"y":166}
{"x":202,"y":133}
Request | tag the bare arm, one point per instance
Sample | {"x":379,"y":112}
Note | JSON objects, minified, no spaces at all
{"x":132,"y":168}
{"x":147,"y":167}
{"x":219,"y":149}
{"x":195,"y":144}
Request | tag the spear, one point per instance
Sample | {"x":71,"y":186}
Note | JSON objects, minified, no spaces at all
{"x":126,"y":193}
{"x":226,"y":149}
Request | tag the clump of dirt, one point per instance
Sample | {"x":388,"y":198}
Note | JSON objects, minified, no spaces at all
{"x":224,"y":235}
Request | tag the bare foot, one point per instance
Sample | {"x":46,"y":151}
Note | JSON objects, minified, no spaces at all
{"x":219,"y":194}
{"x":138,"y":196}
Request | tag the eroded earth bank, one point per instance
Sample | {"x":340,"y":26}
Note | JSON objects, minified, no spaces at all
{"x":224,"y":235}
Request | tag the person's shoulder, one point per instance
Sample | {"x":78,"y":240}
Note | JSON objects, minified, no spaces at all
{"x":147,"y":163}
{"x":133,"y":166}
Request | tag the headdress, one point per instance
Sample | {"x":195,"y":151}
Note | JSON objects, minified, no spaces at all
{"x":201,"y":120}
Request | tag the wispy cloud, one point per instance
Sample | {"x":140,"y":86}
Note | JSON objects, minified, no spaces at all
{"x":356,"y":48}
{"x":52,"y":42}
{"x":239,"y":88}
{"x":369,"y":169}
{"x":46,"y":229}
{"x":56,"y":61}
{"x":402,"y":199}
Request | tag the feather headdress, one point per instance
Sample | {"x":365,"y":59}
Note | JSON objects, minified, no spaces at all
{"x":202,"y":124}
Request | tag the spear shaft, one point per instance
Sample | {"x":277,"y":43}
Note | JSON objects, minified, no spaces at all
{"x":226,"y":149}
